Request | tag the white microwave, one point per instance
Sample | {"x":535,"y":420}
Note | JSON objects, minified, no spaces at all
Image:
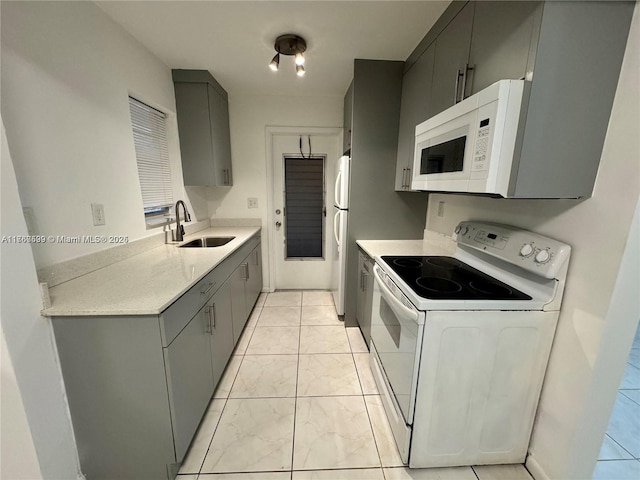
{"x":470,"y":146}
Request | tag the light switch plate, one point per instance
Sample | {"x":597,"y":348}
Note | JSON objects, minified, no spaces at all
{"x":98,"y":213}
{"x":252,"y":202}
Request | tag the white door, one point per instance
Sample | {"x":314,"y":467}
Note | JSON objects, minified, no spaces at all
{"x":291,"y":269}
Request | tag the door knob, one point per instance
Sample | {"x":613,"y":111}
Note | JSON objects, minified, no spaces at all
{"x":278,"y":224}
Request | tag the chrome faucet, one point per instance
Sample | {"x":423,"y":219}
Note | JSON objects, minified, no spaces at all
{"x":179,"y":236}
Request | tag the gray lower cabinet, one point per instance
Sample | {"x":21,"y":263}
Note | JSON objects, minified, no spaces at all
{"x":138,"y":386}
{"x":246,"y":285}
{"x":365,"y":295}
{"x":254,"y":280}
{"x":238,"y":300}
{"x":187,"y":361}
{"x":220,"y":329}
{"x":203,"y":125}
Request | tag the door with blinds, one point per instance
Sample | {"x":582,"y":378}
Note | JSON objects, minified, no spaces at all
{"x":304,"y":207}
{"x":301,"y":248}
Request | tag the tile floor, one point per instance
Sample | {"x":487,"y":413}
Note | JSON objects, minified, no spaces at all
{"x":298,"y":402}
{"x":619,"y":457}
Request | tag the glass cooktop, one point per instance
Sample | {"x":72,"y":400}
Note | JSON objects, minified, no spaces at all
{"x":446,"y":278}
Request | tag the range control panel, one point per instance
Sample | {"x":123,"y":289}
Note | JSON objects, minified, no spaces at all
{"x":541,"y":255}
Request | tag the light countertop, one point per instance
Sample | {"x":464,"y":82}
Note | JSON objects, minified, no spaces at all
{"x":433,"y":244}
{"x":147,"y":283}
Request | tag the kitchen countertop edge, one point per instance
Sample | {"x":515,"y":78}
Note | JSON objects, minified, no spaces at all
{"x":111,"y":290}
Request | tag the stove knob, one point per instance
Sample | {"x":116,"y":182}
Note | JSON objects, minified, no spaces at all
{"x":463,"y":231}
{"x":526,"y":250}
{"x":457,"y":230}
{"x":543,"y":256}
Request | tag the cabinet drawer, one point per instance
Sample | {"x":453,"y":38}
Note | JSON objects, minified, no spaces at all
{"x":176,"y":317}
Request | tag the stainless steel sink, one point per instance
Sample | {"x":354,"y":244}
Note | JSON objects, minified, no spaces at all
{"x":205,"y":242}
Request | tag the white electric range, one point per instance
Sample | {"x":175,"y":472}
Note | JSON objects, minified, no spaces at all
{"x":460,"y":344}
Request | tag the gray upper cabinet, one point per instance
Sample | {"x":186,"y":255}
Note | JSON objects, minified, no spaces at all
{"x":570,"y":53}
{"x":451,"y":61}
{"x":203,"y":125}
{"x":348,"y":114}
{"x":502,"y":39}
{"x":416,"y":93}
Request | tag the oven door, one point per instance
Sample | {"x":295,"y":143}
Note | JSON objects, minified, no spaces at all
{"x":396,"y":332}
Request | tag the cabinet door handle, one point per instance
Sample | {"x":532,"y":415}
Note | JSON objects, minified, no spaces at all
{"x":364,"y":281}
{"x":207,"y":326}
{"x":404,"y":176}
{"x":408,"y":178}
{"x":467,"y":69}
{"x":245,"y":271}
{"x":456,"y":97}
{"x":208,"y":289}
{"x":212,"y":318}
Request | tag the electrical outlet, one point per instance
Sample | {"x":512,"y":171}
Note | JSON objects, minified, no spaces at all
{"x":98,"y":213}
{"x":252,"y":202}
{"x":441,"y":209}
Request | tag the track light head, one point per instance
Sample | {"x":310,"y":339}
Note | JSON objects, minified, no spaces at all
{"x":275,"y":62}
{"x":300,"y":70}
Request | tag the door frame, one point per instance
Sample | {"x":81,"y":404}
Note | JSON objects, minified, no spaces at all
{"x":272,"y":132}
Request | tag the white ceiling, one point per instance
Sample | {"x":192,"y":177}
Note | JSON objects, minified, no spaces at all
{"x":234,"y":39}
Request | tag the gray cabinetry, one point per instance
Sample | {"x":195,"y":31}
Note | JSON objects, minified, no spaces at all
{"x":238,"y":300}
{"x":138,"y":386}
{"x":203,"y":126}
{"x":220,"y":329}
{"x":365,"y":295}
{"x":570,"y":53}
{"x":348,"y":115}
{"x":246,"y":285}
{"x":451,"y":60}
{"x":376,"y":210}
{"x":189,"y":378}
{"x":416,"y":92}
{"x":254,"y":282}
{"x":504,"y":33}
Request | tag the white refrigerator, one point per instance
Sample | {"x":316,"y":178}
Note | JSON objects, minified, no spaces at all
{"x":340,"y":221}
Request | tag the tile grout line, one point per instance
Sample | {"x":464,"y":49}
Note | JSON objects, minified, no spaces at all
{"x":295,"y":399}
{"x":226,"y":399}
{"x":621,"y":446}
{"x":366,"y":407}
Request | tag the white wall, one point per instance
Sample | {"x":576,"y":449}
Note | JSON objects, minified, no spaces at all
{"x":67,"y":71}
{"x":249,"y":115}
{"x":568,"y":431}
{"x":32,"y":352}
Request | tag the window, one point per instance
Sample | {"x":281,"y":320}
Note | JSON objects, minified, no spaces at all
{"x":152,"y":155}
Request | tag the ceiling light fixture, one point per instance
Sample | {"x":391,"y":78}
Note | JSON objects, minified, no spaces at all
{"x":293,"y":45}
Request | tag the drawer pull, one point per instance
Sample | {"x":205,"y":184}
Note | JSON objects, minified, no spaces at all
{"x":208,"y":289}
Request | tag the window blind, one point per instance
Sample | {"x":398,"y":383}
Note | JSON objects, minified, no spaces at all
{"x":304,"y":204}
{"x":152,"y":154}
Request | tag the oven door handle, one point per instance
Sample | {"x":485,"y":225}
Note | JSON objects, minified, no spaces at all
{"x":394,"y":303}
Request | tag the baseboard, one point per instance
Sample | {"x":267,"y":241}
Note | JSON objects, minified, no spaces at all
{"x":534,"y":468}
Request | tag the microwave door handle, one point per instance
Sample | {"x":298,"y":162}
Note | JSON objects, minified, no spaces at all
{"x":394,"y":303}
